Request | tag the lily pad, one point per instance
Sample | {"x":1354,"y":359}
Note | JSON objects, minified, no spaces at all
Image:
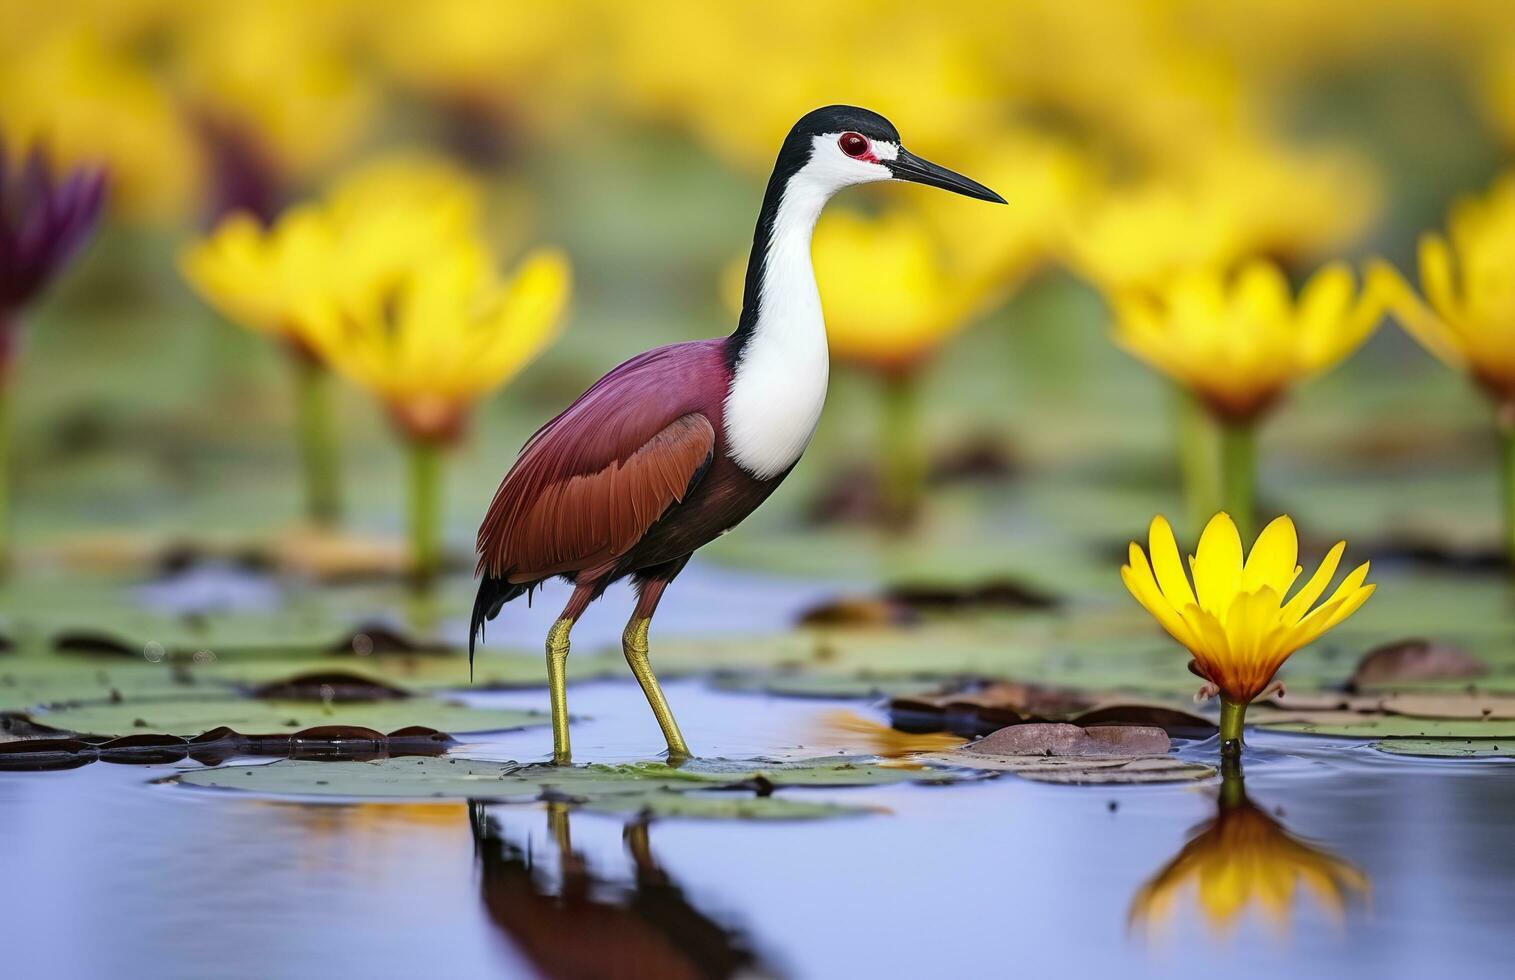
{"x":1466,"y":748}
{"x":653,"y":787}
{"x":189,"y":718}
{"x":1345,"y":725}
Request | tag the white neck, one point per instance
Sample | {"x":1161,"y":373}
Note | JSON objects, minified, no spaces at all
{"x":779,"y":385}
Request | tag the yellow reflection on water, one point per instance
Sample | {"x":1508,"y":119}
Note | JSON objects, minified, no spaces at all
{"x":843,"y":729}
{"x":1244,"y":858}
{"x":350,"y":835}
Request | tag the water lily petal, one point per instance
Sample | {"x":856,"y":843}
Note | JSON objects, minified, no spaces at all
{"x":1274,"y":559}
{"x":1143,"y":587}
{"x":1217,"y":565}
{"x":1167,"y":563}
{"x":1296,"y":607}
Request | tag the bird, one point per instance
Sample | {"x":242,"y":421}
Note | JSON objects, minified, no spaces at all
{"x":677,"y":445}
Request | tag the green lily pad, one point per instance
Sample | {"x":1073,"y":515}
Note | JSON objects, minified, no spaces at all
{"x":1382,"y":726}
{"x":1469,"y":748}
{"x":190,"y":717}
{"x":651,"y":787}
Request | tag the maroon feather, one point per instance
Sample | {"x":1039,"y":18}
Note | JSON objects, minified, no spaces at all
{"x":590,"y":483}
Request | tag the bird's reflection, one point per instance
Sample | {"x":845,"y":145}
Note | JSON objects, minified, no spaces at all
{"x":583,"y":925}
{"x":1244,"y":857}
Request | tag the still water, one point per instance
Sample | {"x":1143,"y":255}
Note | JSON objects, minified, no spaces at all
{"x":1331,"y":860}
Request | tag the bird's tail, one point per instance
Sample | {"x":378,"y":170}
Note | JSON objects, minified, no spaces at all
{"x":493,"y":593}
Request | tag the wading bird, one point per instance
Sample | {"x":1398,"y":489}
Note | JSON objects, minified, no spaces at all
{"x":678,"y":445}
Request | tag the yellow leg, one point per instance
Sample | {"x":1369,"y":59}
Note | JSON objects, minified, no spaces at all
{"x":557,"y":689}
{"x":634,"y":642}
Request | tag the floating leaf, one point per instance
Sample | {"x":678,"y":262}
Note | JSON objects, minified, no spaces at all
{"x":193,"y":717}
{"x":1446,"y":748}
{"x":1345,"y":725}
{"x":642,"y":787}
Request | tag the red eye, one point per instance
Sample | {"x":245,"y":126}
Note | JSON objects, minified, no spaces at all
{"x":853,"y":144}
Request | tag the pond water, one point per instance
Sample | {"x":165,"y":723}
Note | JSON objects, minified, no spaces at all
{"x":1398,"y":868}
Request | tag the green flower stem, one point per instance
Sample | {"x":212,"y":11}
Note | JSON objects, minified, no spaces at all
{"x":1505,"y":423}
{"x":1232,"y":721}
{"x":1198,"y":458}
{"x":317,"y":436}
{"x":425,"y":509}
{"x":903,"y":461}
{"x":1238,"y":469}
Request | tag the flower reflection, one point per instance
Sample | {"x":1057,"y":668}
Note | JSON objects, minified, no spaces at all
{"x":849,"y":730}
{"x":351,"y":835}
{"x":1241,"y":858}
{"x":580,"y":923}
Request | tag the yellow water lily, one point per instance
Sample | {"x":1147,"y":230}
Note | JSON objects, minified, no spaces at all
{"x":439,"y":334}
{"x":1243,"y":858}
{"x":376,"y":221}
{"x":259,"y":277}
{"x":1240,"y":340}
{"x":1237,"y":618}
{"x":1468,"y":275}
{"x":1468,"y":316}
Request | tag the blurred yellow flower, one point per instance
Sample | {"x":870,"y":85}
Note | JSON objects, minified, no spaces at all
{"x":1238,"y":341}
{"x":890,"y":292}
{"x":1240,"y":859}
{"x":1141,"y":237}
{"x":1468,"y":319}
{"x":1235,"y":619}
{"x":1232,"y":198}
{"x":1290,"y":204}
{"x":466,"y":55}
{"x":376,"y":221}
{"x":258,"y":277}
{"x":280,"y":72}
{"x":442,"y":332}
{"x":1045,"y":180}
{"x":1469,"y":281}
{"x":91,"y":103}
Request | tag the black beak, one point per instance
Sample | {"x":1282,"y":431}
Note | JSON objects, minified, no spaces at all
{"x":908,"y":166}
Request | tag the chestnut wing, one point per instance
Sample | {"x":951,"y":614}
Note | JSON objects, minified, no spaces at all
{"x":589,"y":484}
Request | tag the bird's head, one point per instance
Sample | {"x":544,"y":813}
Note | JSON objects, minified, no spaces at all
{"x":840,"y":145}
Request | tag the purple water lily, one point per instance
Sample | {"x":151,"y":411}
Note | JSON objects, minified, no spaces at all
{"x":44,"y":218}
